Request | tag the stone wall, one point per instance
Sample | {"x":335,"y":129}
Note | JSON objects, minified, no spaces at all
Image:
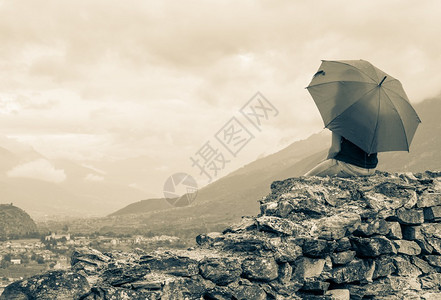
{"x":315,"y":238}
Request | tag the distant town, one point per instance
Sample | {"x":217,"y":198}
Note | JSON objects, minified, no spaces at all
{"x":22,"y":258}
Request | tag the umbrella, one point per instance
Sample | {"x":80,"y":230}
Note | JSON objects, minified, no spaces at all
{"x":364,"y":105}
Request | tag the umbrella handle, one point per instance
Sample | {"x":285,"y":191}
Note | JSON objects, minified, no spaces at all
{"x":382,"y":81}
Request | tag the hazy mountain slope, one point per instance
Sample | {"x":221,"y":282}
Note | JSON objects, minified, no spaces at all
{"x":242,"y":187}
{"x":149,"y":204}
{"x":425,"y":150}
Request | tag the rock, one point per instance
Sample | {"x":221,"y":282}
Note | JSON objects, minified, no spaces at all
{"x":410,"y":216}
{"x":260,"y":268}
{"x":426,"y":248}
{"x":431,"y":281}
{"x":315,"y":286}
{"x":433,"y":260}
{"x":407,"y":247}
{"x":247,"y":242}
{"x":318,"y":247}
{"x":412,"y":233}
{"x":373,"y":247}
{"x":405,"y":268}
{"x":375,"y":227}
{"x":435,"y":243}
{"x":431,"y":296}
{"x":307,"y":268}
{"x":284,"y":208}
{"x":395,"y":232}
{"x":51,"y":285}
{"x":268,"y":208}
{"x":400,"y":191}
{"x":221,"y":270}
{"x":178,"y":266}
{"x":431,"y":230}
{"x":432,"y":214}
{"x":356,"y":270}
{"x":283,"y":290}
{"x":429,"y":199}
{"x":341,"y":258}
{"x":422,"y":265}
{"x":432,"y":235}
{"x":338,"y":226}
{"x":245,"y":224}
{"x":382,"y":205}
{"x":89,"y":256}
{"x":285,"y":273}
{"x":285,"y":250}
{"x":244,"y":290}
{"x":115,"y":293}
{"x":151,"y":281}
{"x":192,"y":288}
{"x":384,"y":266}
{"x":343,"y":244}
{"x":120,"y":275}
{"x":339,"y":294}
{"x":277,"y":225}
{"x":209,"y":238}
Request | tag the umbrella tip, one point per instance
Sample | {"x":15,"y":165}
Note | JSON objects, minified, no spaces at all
{"x":384,"y":78}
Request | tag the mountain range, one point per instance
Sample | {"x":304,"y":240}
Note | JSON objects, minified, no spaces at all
{"x":100,"y":188}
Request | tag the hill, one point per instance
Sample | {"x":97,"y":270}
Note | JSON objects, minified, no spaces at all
{"x":15,"y":223}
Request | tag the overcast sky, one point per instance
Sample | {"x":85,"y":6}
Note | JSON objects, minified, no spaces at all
{"x":94,"y":80}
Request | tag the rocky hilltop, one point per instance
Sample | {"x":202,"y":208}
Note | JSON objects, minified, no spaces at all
{"x":15,"y":222}
{"x":315,"y":238}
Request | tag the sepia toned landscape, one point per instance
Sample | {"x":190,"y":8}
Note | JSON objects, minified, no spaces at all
{"x":156,"y":150}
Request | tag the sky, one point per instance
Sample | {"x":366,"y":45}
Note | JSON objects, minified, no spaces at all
{"x":110,"y":80}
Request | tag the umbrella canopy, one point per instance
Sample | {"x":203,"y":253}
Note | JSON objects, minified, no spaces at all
{"x":365,"y":105}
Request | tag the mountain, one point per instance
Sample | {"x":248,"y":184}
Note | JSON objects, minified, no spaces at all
{"x":143,"y":205}
{"x":234,"y":195}
{"x":15,"y":222}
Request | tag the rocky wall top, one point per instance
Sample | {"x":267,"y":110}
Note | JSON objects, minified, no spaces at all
{"x":375,"y":237}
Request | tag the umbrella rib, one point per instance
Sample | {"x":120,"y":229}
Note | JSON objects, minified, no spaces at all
{"x":376,"y":123}
{"x":401,"y":121}
{"x":361,"y":97}
{"x":334,"y":81}
{"x":406,"y":100}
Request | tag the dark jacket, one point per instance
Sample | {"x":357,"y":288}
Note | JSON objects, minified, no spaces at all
{"x":352,"y":154}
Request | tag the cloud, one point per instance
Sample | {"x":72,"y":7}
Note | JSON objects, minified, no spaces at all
{"x":40,"y":169}
{"x":93,"y":177}
{"x":159,"y":78}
